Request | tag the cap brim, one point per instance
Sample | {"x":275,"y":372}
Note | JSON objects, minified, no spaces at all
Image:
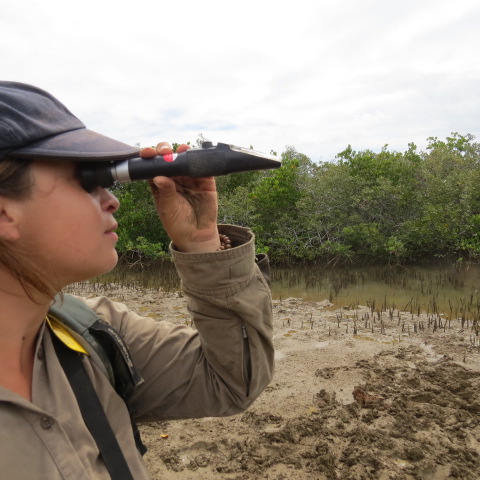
{"x":81,"y":145}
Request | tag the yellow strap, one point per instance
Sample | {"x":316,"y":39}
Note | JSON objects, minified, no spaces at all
{"x":64,"y":335}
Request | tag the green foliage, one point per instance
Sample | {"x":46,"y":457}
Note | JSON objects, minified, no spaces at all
{"x":385,"y":206}
{"x":228,"y":184}
{"x":456,"y":143}
{"x":450,"y":199}
{"x":140,"y":230}
{"x":275,"y":200}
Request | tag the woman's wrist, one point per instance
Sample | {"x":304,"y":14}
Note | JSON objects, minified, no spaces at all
{"x":222,"y":242}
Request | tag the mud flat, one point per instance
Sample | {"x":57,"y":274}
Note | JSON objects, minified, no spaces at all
{"x":356,"y":395}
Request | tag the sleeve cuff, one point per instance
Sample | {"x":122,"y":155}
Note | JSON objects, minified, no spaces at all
{"x":218,"y":273}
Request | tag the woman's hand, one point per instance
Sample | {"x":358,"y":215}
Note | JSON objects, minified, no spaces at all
{"x":186,"y":206}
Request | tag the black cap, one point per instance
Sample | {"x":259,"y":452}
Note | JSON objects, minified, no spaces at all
{"x":34,"y":124}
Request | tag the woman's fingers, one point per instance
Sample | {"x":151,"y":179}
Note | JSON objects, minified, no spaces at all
{"x":162,"y":148}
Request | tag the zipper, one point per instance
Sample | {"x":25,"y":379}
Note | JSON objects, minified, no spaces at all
{"x":247,"y":365}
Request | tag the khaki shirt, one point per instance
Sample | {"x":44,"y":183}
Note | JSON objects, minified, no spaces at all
{"x":188,"y":372}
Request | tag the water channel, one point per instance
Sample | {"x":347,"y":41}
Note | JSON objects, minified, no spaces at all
{"x":438,"y":288}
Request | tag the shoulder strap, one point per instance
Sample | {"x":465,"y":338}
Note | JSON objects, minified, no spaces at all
{"x":92,"y":412}
{"x":107,"y":342}
{"x":109,"y":345}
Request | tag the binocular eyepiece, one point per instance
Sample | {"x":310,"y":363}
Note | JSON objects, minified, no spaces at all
{"x":207,"y":161}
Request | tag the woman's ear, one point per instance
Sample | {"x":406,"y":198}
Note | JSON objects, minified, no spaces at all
{"x":9,"y":230}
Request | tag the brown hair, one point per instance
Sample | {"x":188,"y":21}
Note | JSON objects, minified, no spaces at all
{"x":16,"y":182}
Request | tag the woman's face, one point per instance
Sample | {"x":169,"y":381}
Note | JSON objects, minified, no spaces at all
{"x":69,"y":232}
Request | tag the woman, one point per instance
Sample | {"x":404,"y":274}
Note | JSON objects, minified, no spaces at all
{"x":53,"y":233}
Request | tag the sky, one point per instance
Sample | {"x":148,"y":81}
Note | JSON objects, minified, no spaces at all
{"x":316,"y":75}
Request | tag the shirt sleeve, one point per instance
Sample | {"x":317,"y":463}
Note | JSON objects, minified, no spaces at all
{"x":219,"y":367}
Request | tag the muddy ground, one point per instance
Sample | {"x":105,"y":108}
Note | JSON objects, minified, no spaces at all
{"x":356,"y":395}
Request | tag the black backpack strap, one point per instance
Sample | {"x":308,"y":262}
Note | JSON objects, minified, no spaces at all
{"x":126,"y":377}
{"x":109,"y":345}
{"x":92,"y":412}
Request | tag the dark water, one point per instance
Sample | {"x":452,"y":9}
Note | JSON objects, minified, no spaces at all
{"x":435,"y":288}
{"x":444,"y":288}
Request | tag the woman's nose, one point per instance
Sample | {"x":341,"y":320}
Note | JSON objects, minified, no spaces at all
{"x":108,"y":200}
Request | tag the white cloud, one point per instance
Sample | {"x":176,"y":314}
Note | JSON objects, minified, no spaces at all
{"x":314,"y":75}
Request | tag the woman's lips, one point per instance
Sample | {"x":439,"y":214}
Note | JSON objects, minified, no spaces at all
{"x":111,"y":232}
